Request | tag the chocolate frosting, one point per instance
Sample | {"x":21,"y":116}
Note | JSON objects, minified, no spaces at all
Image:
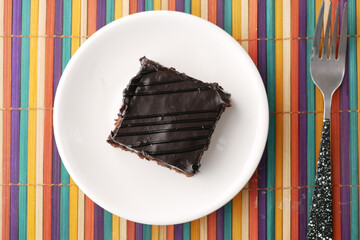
{"x":168,"y":116}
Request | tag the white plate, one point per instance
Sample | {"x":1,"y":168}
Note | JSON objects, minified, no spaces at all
{"x":90,"y":94}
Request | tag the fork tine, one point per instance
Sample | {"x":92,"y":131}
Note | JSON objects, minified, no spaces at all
{"x":326,"y":37}
{"x":335,"y":32}
{"x":317,"y":33}
{"x":343,"y":34}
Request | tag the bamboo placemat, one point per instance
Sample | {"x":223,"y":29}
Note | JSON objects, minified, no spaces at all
{"x":40,"y":200}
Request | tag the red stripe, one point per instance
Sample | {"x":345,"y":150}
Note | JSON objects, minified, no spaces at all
{"x":91,"y":20}
{"x":172,"y":5}
{"x":212,"y":226}
{"x":89,"y":219}
{"x":212,"y":11}
{"x":294,"y":120}
{"x":133,"y":6}
{"x":170,"y":232}
{"x":130,"y":230}
{"x":7,"y":121}
{"x":49,"y":70}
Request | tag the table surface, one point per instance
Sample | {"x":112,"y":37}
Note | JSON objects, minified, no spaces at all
{"x":39,"y":199}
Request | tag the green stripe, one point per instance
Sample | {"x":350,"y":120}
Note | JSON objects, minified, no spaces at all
{"x":24,"y":103}
{"x":187,"y":6}
{"x":149,"y":5}
{"x":110,"y":11}
{"x":146,"y":232}
{"x":270,"y":176}
{"x":228,"y":221}
{"x":186,"y":231}
{"x":228,"y":16}
{"x":310,"y":92}
{"x":64,"y":176}
{"x":107,"y":225}
{"x":353,"y":95}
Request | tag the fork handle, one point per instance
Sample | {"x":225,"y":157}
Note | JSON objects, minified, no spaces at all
{"x":320,"y":221}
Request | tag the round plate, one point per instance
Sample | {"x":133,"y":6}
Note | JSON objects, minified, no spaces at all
{"x":89,"y":97}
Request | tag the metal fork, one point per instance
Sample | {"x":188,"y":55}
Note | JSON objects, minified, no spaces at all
{"x":327,"y":72}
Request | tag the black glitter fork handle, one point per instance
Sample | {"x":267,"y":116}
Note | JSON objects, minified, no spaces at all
{"x":320,"y":221}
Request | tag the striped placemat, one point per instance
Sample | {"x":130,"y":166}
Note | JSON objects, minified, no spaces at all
{"x":40,"y":200}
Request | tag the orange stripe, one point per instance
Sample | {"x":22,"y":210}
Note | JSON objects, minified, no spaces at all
{"x":170,"y":232}
{"x":212,"y":11}
{"x":172,"y":5}
{"x":7,"y":121}
{"x":335,"y":146}
{"x":133,"y":6}
{"x":91,"y":16}
{"x":253,"y":184}
{"x":212,"y":226}
{"x":89,"y":219}
{"x":49,"y":61}
{"x":294,"y":120}
{"x":130,"y":230}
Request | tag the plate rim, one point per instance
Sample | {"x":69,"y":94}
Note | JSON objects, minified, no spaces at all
{"x":229,"y":196}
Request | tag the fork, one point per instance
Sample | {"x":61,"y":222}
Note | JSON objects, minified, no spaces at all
{"x":327,"y":72}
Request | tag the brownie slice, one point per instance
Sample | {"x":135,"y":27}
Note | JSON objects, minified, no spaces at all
{"x":168,"y":117}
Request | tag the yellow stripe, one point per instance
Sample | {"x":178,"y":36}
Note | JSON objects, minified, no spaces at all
{"x":195,"y":7}
{"x":204,"y":9}
{"x":245,"y":24}
{"x":1,"y":99}
{"x":31,"y":197}
{"x":73,"y":190}
{"x":236,"y":19}
{"x":123,"y":229}
{"x":118,"y":9}
{"x":236,"y":216}
{"x":125,"y":7}
{"x":157,"y":4}
{"x":279,"y":127}
{"x":203,"y":228}
{"x":195,"y":230}
{"x":40,"y":120}
{"x":162,"y":232}
{"x":154,"y":232}
{"x":319,"y":105}
{"x":286,"y":234}
{"x":75,"y":25}
{"x":115,"y":227}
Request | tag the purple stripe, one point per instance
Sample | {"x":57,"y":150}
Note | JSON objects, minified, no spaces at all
{"x":100,"y":14}
{"x":302,"y":123}
{"x":98,"y":222}
{"x":344,"y":149}
{"x":138,"y":231}
{"x":220,"y":224}
{"x":180,"y":5}
{"x":220,"y":13}
{"x":178,"y":232}
{"x":262,"y":165}
{"x":141,"y":5}
{"x":55,"y":221}
{"x":15,"y":121}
